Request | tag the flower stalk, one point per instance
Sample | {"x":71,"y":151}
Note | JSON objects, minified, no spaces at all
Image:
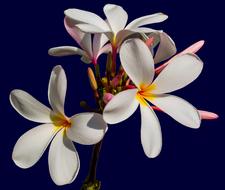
{"x":91,"y":183}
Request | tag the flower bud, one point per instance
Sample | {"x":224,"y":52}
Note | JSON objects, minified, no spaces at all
{"x":107,"y":97}
{"x":92,"y":79}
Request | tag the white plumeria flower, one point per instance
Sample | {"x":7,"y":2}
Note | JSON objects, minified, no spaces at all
{"x":58,"y":129}
{"x":90,"y":50}
{"x":138,"y":63}
{"x":115,"y":26}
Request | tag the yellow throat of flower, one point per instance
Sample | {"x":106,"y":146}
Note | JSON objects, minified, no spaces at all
{"x":145,"y":93}
{"x":60,"y":121}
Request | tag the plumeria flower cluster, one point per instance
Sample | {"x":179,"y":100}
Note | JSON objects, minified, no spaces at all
{"x":118,"y":91}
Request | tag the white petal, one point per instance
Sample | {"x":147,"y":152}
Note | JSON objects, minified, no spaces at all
{"x":90,"y":28}
{"x":149,"y":19}
{"x":106,"y":49}
{"x":99,"y":41}
{"x":121,"y":107}
{"x":166,"y":48}
{"x":137,"y":61}
{"x":63,"y":160}
{"x":57,"y":89}
{"x":116,"y":16}
{"x":87,"y":18}
{"x":65,"y":51}
{"x":32,"y":144}
{"x":181,"y":71}
{"x":179,"y":109}
{"x":87,"y":128}
{"x":151,"y":136}
{"x":29,"y":107}
{"x":143,"y":30}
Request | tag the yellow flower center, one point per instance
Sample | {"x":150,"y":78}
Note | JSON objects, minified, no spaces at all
{"x":145,"y":93}
{"x":60,"y":121}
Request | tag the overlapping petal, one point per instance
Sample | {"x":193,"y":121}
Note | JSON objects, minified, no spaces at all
{"x":121,"y":106}
{"x":166,"y":48}
{"x":137,"y":61}
{"x":57,"y":89}
{"x":31,"y":145}
{"x":87,"y":128}
{"x":87,"y":18}
{"x":63,"y":160}
{"x":181,"y":71}
{"x":29,"y":107}
{"x":151,"y":137}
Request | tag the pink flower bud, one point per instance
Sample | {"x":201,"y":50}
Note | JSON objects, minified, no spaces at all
{"x":207,"y":115}
{"x":191,"y":49}
{"x":107,"y":97}
{"x":116,"y":80}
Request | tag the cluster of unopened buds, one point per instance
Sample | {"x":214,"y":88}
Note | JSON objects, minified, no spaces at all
{"x":118,"y":91}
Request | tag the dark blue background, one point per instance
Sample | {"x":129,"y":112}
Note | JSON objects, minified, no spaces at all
{"x":190,"y":159}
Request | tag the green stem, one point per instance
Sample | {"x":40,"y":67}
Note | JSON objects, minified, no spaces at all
{"x":91,"y":183}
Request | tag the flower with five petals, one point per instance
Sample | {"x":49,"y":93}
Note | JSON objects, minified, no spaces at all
{"x":115,"y":26}
{"x":138,"y":63}
{"x":57,"y":130}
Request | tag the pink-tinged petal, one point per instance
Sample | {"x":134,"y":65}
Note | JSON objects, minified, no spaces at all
{"x":74,"y":31}
{"x":194,"y":48}
{"x":106,"y":49}
{"x":83,"y":39}
{"x":207,"y":115}
{"x":203,"y":114}
{"x":99,"y":40}
{"x":107,"y":97}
